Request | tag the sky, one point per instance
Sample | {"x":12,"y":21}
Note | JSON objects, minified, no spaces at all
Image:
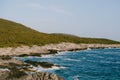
{"x":84,"y":18}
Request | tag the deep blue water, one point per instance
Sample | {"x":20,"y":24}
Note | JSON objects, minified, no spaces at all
{"x":95,"y":64}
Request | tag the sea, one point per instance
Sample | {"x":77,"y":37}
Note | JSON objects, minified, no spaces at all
{"x":90,"y":64}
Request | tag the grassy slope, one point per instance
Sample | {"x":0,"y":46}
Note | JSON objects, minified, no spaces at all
{"x":15,"y":34}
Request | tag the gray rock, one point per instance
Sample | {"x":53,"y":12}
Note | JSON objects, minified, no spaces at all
{"x":4,"y":74}
{"x":40,"y":76}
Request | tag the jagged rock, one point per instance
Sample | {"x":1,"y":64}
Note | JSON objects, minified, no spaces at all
{"x":4,"y":74}
{"x":40,"y":76}
{"x":54,"y":77}
{"x":13,"y":69}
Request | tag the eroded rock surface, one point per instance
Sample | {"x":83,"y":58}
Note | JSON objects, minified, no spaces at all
{"x":52,"y":48}
{"x":40,"y":76}
{"x":12,"y":69}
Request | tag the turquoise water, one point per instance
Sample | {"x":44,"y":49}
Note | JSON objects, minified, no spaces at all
{"x":95,"y":64}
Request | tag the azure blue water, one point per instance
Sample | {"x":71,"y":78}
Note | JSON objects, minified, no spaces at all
{"x":95,"y":64}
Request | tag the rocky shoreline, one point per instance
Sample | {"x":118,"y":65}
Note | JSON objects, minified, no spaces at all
{"x":12,"y":69}
{"x":52,"y":48}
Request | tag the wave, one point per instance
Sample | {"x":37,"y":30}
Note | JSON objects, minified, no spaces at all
{"x":71,"y":59}
{"x":62,"y":53}
{"x":88,"y":48}
{"x":112,"y":53}
{"x":76,"y":77}
{"x":84,"y":58}
{"x":38,"y":69}
{"x":53,"y":55}
{"x":5,"y":69}
{"x":106,"y":62}
{"x":117,"y":62}
{"x":46,"y":56}
{"x":94,"y":55}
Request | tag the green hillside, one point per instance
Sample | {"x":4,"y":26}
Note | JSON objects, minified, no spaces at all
{"x":15,"y":34}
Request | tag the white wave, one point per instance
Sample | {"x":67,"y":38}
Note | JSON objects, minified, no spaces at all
{"x":106,"y":62}
{"x":83,"y":57}
{"x":88,"y":48}
{"x":38,"y":69}
{"x":5,"y":69}
{"x":52,"y":55}
{"x":94,"y":55}
{"x":117,"y":62}
{"x":76,"y":77}
{"x":62,"y":53}
{"x":46,"y":56}
{"x":112,"y":53}
{"x":71,"y":59}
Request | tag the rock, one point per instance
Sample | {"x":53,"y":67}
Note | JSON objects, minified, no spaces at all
{"x":13,"y":69}
{"x":17,"y":69}
{"x":6,"y":62}
{"x":42,"y":64}
{"x":4,"y":74}
{"x":52,"y":48}
{"x":54,"y":77}
{"x":40,"y":76}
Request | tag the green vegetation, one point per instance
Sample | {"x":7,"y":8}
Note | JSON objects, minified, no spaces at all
{"x":15,"y":34}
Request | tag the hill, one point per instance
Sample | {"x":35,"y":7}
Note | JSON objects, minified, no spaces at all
{"x":15,"y":34}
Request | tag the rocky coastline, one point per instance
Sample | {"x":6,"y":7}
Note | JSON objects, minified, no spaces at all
{"x":13,"y":69}
{"x":52,"y":48}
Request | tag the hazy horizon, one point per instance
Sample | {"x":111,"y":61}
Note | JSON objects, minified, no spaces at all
{"x":84,"y":18}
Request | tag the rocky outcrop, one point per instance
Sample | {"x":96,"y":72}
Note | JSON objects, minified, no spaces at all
{"x":13,"y":69}
{"x":7,"y":62}
{"x":48,"y":48}
{"x":4,"y":74}
{"x":40,"y":76}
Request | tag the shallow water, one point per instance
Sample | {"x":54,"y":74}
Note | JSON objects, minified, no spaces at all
{"x":95,"y":64}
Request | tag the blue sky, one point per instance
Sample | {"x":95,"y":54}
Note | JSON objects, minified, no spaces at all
{"x":85,"y":18}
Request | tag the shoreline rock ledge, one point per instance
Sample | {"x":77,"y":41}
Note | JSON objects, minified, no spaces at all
{"x":13,"y":69}
{"x":46,"y":48}
{"x":36,"y":76}
{"x":40,"y":76}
